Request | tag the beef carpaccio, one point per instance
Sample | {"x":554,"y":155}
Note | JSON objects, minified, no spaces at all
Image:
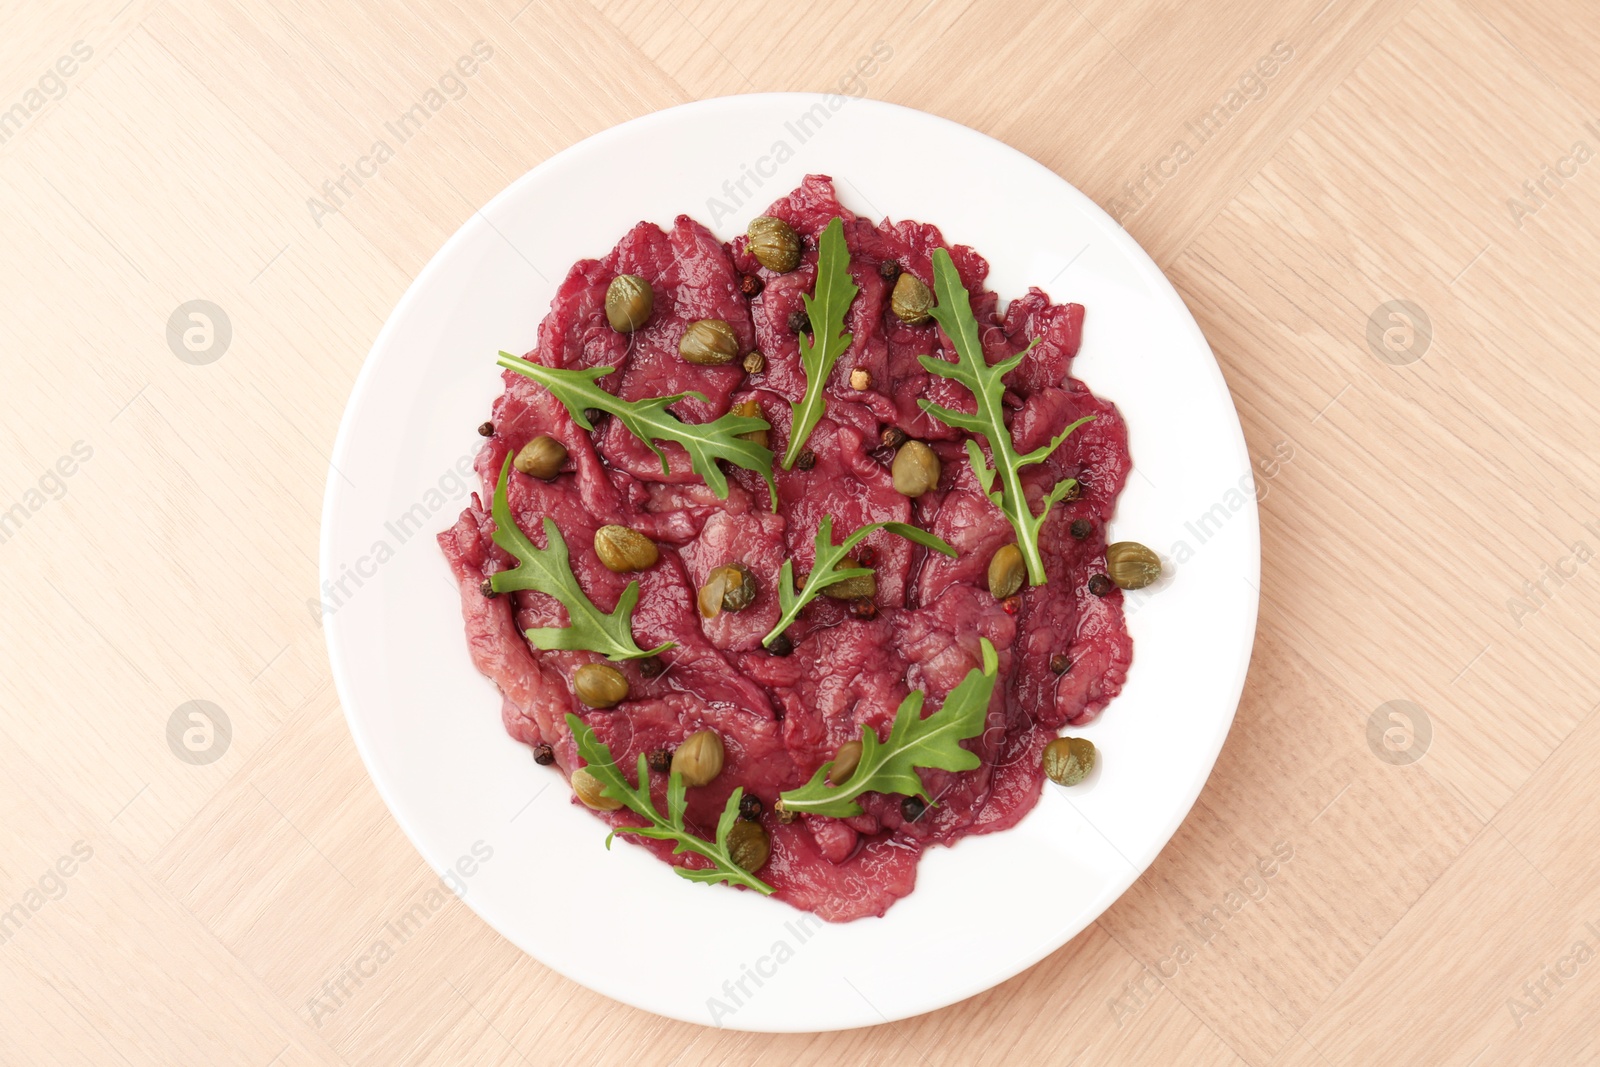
{"x":1063,"y":650}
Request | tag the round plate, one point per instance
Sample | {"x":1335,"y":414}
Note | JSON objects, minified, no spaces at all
{"x":503,"y":831}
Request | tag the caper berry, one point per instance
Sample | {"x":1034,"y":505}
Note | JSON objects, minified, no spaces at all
{"x":659,"y":760}
{"x":911,"y":808}
{"x":709,"y":343}
{"x":599,"y":686}
{"x":750,"y":807}
{"x":845,"y":762}
{"x":1131,"y":565}
{"x":590,"y":790}
{"x":916,"y":469}
{"x":699,"y":758}
{"x":1068,"y":760}
{"x":1006,"y":571}
{"x":629,"y":301}
{"x":861,"y":587}
{"x":1081,"y":528}
{"x":543,"y":754}
{"x":750,"y":409}
{"x":1100,"y":585}
{"x":622,"y":549}
{"x":748,"y":845}
{"x":774,"y":244}
{"x":728,"y":588}
{"x":541,"y":457}
{"x":911,"y":300}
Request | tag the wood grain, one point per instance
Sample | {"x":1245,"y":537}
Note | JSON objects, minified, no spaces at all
{"x":1426,"y":540}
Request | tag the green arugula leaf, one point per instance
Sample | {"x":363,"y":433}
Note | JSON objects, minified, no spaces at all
{"x":597,"y":755}
{"x":891,"y":766}
{"x":650,"y":421}
{"x":954,"y":314}
{"x":549,"y":570}
{"x":828,"y":556}
{"x":835,"y":289}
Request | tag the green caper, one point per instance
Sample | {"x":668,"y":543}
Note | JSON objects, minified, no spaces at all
{"x":1068,"y":760}
{"x":622,"y":549}
{"x":699,"y":758}
{"x":861,"y":587}
{"x":750,"y":409}
{"x":599,"y":686}
{"x":541,"y":457}
{"x":629,"y":301}
{"x":774,"y":244}
{"x":1006,"y":571}
{"x":589,"y":790}
{"x":728,"y":588}
{"x":709,"y":343}
{"x":845,"y":762}
{"x":916,"y":469}
{"x":748,"y":845}
{"x":911,"y":300}
{"x":1131,"y":565}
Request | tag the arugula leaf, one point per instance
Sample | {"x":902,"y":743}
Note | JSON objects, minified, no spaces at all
{"x":835,"y":289}
{"x":954,"y":314}
{"x":650,"y":421}
{"x":890,"y":766}
{"x":828,"y":556}
{"x":549,"y":571}
{"x":597,"y":755}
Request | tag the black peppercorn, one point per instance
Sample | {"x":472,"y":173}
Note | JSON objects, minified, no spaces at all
{"x":912,"y":808}
{"x":660,"y":760}
{"x":486,"y":430}
{"x":1081,"y":528}
{"x":543,"y":754}
{"x":799,"y":321}
{"x":652,"y":667}
{"x":751,"y":286}
{"x":1100,"y":585}
{"x":593,"y":415}
{"x":889,"y":270}
{"x":807,"y":460}
{"x":487,"y":589}
{"x":864,"y":609}
{"x":1060,"y":663}
{"x":893,"y":437}
{"x":750,"y":807}
{"x":781,"y":645}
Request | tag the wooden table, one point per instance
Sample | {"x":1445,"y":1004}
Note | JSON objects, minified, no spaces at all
{"x":1384,"y":215}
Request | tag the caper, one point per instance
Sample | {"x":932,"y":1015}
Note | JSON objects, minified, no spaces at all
{"x":1068,"y":760}
{"x":590,"y":791}
{"x":600,"y":686}
{"x":916,"y":469}
{"x":750,"y":409}
{"x":728,"y":588}
{"x":622,"y":549}
{"x":541,"y":457}
{"x":845,"y":762}
{"x":709,"y":343}
{"x":1006,"y":571}
{"x":911,"y":300}
{"x":861,"y":587}
{"x":774,"y":244}
{"x":699,"y":758}
{"x":748,"y":845}
{"x":1131,"y":565}
{"x":629,"y":301}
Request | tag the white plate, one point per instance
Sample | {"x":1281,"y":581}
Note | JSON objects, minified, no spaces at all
{"x":428,"y":725}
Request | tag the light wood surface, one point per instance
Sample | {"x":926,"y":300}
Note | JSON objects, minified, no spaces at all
{"x":1427,"y":539}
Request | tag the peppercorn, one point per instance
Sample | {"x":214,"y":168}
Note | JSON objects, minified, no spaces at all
{"x":660,"y":760}
{"x":487,"y":589}
{"x":866,"y":555}
{"x":1081,"y":528}
{"x":1100,"y":585}
{"x":911,"y":808}
{"x":543,"y":754}
{"x":755,"y":363}
{"x":652,"y":667}
{"x":593,"y":416}
{"x":864,"y":609}
{"x":751,"y":286}
{"x":486,"y":430}
{"x":889,"y":270}
{"x":750,"y":807}
{"x":893,"y":437}
{"x":1060,"y":663}
{"x":781,"y":645}
{"x":860,"y":379}
{"x":1011,"y":604}
{"x":799,"y":321}
{"x":807,"y":460}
